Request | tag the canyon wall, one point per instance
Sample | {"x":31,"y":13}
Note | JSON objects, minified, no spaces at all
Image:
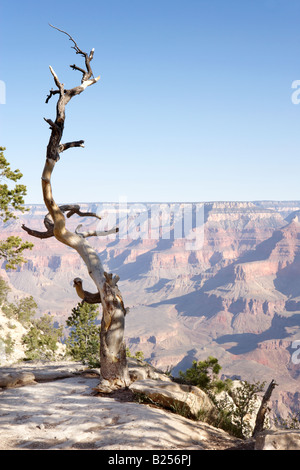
{"x":217,"y":279}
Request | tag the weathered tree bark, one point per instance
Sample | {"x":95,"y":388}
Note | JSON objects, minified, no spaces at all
{"x":113,"y":361}
{"x":261,"y":415}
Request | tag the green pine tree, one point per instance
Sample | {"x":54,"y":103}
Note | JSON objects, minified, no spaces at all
{"x":11,"y":200}
{"x":83,"y":343}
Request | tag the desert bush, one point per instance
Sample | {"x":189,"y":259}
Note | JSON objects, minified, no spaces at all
{"x":292,"y":422}
{"x":42,"y":339}
{"x":23,"y":311}
{"x":204,"y":374}
{"x":138,"y":355}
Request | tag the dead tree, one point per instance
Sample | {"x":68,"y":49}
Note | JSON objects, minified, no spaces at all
{"x":113,"y":363}
{"x":261,"y":415}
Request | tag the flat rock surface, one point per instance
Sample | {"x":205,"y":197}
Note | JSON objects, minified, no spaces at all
{"x":278,"y":440}
{"x":65,"y":414}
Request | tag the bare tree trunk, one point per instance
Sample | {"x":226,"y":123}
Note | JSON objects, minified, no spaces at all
{"x":261,"y":415}
{"x":113,"y":357}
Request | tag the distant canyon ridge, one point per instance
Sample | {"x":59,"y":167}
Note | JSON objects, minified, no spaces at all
{"x":200,"y":279}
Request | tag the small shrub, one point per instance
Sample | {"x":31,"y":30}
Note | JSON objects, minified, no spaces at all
{"x":9,"y":344}
{"x":292,"y":422}
{"x":204,"y":374}
{"x":138,"y":355}
{"x":4,"y":290}
{"x":42,"y":339}
{"x":23,"y":311}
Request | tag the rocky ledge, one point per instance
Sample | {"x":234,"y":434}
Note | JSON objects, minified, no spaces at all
{"x":56,"y":406}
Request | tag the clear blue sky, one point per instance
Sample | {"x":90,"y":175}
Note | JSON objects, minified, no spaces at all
{"x":194,"y":101}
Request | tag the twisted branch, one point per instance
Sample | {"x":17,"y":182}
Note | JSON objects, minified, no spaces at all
{"x":71,"y":209}
{"x":95,"y":233}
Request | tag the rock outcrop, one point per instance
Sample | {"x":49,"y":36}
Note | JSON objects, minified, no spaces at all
{"x":278,"y":440}
{"x":21,"y":374}
{"x":11,"y":332}
{"x":184,"y":399}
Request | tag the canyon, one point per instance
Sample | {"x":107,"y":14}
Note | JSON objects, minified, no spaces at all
{"x":215,"y":279}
